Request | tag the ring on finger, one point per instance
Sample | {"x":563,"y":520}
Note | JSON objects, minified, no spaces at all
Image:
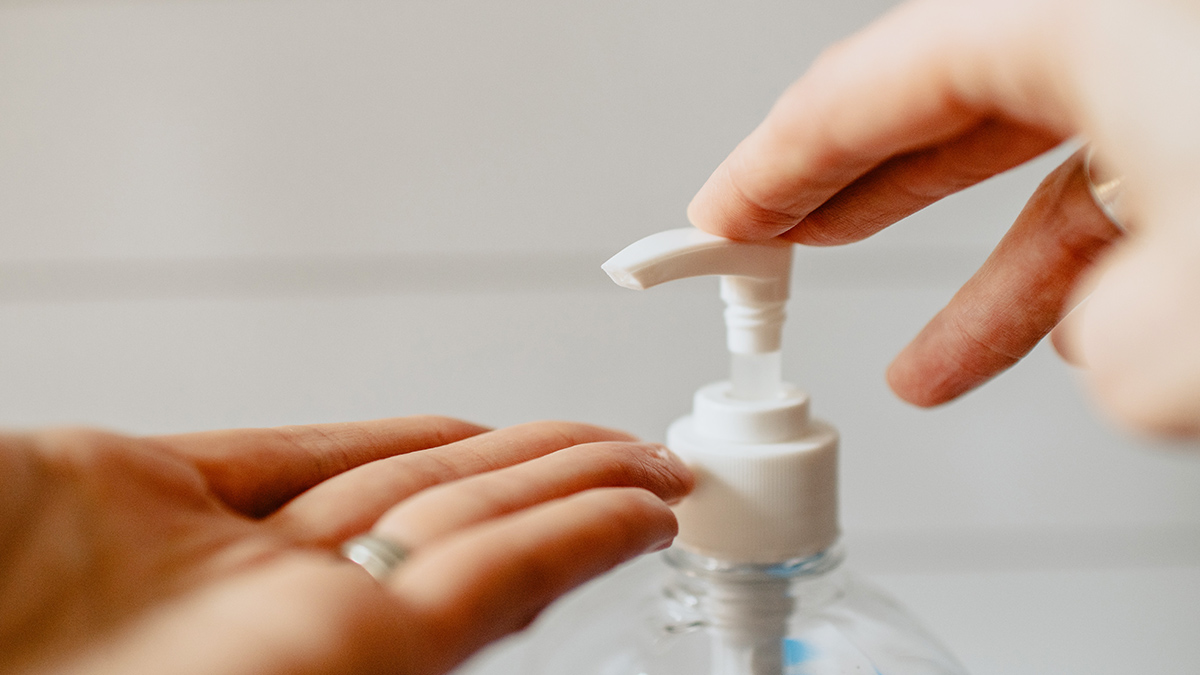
{"x":378,"y":556}
{"x":1106,"y":188}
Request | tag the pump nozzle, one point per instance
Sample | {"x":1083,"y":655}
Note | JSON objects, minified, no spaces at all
{"x":755,"y":278}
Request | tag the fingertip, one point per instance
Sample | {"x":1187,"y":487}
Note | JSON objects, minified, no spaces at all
{"x":635,"y":521}
{"x":698,"y":209}
{"x":902,"y":383}
{"x":671,"y":479}
{"x":923,"y":382}
{"x":683,"y":474}
{"x":723,"y":208}
{"x":648,"y":466}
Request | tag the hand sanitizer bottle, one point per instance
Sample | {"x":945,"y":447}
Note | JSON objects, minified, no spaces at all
{"x":752,"y":585}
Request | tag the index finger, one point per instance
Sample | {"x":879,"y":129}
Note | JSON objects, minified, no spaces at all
{"x":946,"y":77}
{"x":255,"y":471}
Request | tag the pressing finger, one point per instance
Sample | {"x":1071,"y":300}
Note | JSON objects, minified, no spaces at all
{"x":880,"y":97}
{"x":908,"y":183}
{"x":442,"y":510}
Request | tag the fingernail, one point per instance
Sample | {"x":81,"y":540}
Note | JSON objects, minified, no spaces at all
{"x":661,"y":546}
{"x":679,"y":468}
{"x":664,"y":453}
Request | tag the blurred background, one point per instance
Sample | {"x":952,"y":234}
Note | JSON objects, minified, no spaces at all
{"x":220,"y":213}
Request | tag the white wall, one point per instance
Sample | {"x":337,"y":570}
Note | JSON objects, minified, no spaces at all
{"x":258,"y":212}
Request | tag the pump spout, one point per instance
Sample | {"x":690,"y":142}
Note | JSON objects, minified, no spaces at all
{"x":755,"y":279}
{"x":689,"y":252}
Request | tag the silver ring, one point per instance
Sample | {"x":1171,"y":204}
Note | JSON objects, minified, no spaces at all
{"x":378,"y":556}
{"x":1105,"y":189}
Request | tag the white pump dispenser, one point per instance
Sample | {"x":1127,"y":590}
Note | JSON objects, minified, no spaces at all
{"x":766,"y":489}
{"x":753,"y":584}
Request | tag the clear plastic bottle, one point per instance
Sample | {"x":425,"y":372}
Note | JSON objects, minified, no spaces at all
{"x":752,"y":585}
{"x":677,"y":613}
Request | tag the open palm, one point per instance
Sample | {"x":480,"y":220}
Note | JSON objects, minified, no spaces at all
{"x":216,"y":552}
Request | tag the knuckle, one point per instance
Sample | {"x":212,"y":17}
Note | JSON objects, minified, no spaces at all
{"x":325,"y":451}
{"x":82,"y":445}
{"x":113,"y":462}
{"x":1064,"y":202}
{"x":1086,"y":238}
{"x":1082,"y":231}
{"x":827,"y":227}
{"x":986,"y":347}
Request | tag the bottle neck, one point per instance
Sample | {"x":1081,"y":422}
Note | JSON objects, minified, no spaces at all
{"x":748,"y":607}
{"x":723,"y":571}
{"x":735,"y":594}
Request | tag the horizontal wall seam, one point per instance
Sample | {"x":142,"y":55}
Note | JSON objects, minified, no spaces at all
{"x":104,"y":279}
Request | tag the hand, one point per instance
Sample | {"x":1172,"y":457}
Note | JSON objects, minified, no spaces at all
{"x":942,"y":94}
{"x":217,"y":552}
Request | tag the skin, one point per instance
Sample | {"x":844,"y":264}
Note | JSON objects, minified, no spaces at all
{"x":217,"y":552}
{"x":941,"y":94}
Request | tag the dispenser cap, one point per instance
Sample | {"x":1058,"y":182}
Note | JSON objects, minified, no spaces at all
{"x":766,"y":474}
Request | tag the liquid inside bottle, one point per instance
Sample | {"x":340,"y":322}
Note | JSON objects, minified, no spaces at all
{"x":681,"y":614}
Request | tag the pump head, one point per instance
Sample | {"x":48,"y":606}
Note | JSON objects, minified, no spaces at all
{"x":754,"y":279}
{"x":766,"y":488}
{"x":754,"y":285}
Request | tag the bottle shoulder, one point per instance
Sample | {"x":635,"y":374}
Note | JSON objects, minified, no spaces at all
{"x":649,"y":618}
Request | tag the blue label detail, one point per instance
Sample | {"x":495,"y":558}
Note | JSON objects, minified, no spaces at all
{"x":796,"y":652}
